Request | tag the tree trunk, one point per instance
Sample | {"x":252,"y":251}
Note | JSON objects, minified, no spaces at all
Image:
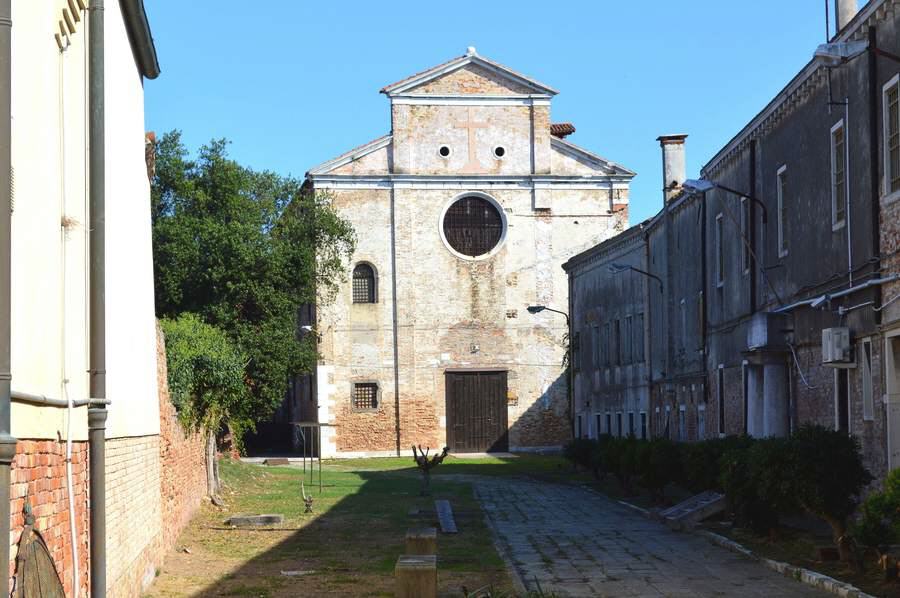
{"x":212,"y":467}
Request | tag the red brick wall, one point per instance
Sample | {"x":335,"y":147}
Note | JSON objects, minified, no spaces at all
{"x":38,"y":474}
{"x":182,"y":460}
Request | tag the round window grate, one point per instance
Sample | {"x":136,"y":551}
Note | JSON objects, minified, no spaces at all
{"x":473,"y":226}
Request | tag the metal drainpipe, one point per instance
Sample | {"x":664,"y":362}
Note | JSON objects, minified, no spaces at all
{"x":873,"y":157}
{"x":394,"y":331}
{"x":7,"y":442}
{"x":97,"y":201}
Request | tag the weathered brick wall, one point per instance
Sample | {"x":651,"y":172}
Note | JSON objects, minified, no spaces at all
{"x":38,"y":475}
{"x":182,"y":460}
{"x":133,"y":515}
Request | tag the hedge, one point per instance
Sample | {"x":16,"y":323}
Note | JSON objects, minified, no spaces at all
{"x":816,"y":470}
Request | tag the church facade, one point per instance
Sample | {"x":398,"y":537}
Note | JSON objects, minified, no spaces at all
{"x":464,"y":213}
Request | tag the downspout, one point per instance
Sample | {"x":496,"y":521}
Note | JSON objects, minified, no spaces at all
{"x":873,"y":158}
{"x":7,"y":442}
{"x":97,"y":301}
{"x":751,"y":226}
{"x":394,"y":317}
{"x":570,"y":362}
{"x":648,"y":334}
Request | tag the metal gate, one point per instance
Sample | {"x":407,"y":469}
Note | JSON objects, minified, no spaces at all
{"x":476,"y":412}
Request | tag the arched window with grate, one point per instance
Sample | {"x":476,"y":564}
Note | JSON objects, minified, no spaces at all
{"x":364,"y":284}
{"x":473,"y":226}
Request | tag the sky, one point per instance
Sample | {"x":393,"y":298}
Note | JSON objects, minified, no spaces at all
{"x":293,"y":83}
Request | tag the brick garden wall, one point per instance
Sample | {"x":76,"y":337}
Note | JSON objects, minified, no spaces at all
{"x":38,"y":474}
{"x":133,"y":518}
{"x":182,"y":460}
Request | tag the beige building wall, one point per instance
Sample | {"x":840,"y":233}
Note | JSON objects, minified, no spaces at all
{"x":50,"y":281}
{"x":455,"y":312}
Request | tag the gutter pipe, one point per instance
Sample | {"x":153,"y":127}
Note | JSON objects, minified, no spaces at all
{"x":870,"y":283}
{"x":45,"y":401}
{"x":7,"y":442}
{"x":97,"y":301}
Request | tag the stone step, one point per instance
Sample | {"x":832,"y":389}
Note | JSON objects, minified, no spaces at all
{"x":688,"y":513}
{"x":255,"y":520}
{"x":445,"y":516}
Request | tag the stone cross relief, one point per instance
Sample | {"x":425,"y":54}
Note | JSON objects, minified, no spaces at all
{"x":472,"y":165}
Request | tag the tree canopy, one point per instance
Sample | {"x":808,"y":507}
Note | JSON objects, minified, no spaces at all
{"x":244,"y":250}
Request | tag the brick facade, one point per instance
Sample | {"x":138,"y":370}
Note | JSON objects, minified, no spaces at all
{"x":445,"y":311}
{"x":154,"y":485}
{"x":38,"y":475}
{"x":133,"y":521}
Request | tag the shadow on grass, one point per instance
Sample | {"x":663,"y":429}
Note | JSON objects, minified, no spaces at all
{"x":350,"y":544}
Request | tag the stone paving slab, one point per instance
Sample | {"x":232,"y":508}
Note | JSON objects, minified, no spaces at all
{"x":574,"y":542}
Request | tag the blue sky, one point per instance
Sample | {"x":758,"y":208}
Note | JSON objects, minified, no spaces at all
{"x":292,"y":83}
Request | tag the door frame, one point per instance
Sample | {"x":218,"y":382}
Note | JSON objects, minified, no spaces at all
{"x":447,"y":411}
{"x":891,"y":378}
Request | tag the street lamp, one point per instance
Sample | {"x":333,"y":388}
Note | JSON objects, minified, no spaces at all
{"x":536,"y":309}
{"x":619,"y":268}
{"x":703,"y":185}
{"x":837,"y":53}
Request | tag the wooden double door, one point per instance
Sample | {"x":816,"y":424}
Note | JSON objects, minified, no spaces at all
{"x":476,"y":412}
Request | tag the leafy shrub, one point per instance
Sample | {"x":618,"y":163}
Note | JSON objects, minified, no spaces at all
{"x":206,"y":376}
{"x":828,"y":475}
{"x":578,"y":452}
{"x":879,"y":524}
{"x":756,"y":481}
{"x":701,"y":462}
{"x":658,"y":464}
{"x":621,"y":458}
{"x":599,"y":458}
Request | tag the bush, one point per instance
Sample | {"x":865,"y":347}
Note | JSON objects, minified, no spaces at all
{"x":658,"y":464}
{"x":578,"y":452}
{"x":757,"y":484}
{"x":621,"y":459}
{"x":701,"y":462}
{"x":879,"y":524}
{"x":828,"y":475}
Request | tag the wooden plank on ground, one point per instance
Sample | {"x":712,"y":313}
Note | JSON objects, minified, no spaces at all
{"x":445,"y":516}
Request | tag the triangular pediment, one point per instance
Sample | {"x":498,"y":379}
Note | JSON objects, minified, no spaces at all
{"x":469,"y":74}
{"x":570,"y":159}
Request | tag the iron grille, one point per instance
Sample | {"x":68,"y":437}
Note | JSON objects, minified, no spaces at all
{"x":363,"y":284}
{"x":473,"y":226}
{"x":365,"y":395}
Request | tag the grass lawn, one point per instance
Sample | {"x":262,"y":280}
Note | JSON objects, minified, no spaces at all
{"x":351,"y":542}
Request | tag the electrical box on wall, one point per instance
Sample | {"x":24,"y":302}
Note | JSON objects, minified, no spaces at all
{"x":836,"y":349}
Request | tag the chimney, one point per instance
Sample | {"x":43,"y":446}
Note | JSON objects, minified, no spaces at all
{"x":844,"y":11}
{"x":673,"y":164}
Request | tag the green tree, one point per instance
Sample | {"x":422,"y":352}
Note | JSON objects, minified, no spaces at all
{"x":206,"y":383}
{"x":244,"y":250}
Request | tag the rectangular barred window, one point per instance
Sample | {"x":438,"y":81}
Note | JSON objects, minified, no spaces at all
{"x":365,"y":395}
{"x":838,"y":175}
{"x":892,"y":136}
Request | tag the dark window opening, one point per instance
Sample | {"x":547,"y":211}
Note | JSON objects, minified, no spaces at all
{"x":842,"y":396}
{"x":473,"y":226}
{"x":365,"y":395}
{"x":363,"y":284}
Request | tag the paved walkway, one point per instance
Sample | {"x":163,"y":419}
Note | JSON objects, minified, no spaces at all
{"x":577,"y":543}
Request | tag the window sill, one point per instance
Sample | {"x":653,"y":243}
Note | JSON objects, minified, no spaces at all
{"x":838,"y":226}
{"x":375,"y":410}
{"x":890,"y":198}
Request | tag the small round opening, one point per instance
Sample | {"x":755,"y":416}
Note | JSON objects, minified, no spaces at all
{"x":499,"y":151}
{"x":444,"y":151}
